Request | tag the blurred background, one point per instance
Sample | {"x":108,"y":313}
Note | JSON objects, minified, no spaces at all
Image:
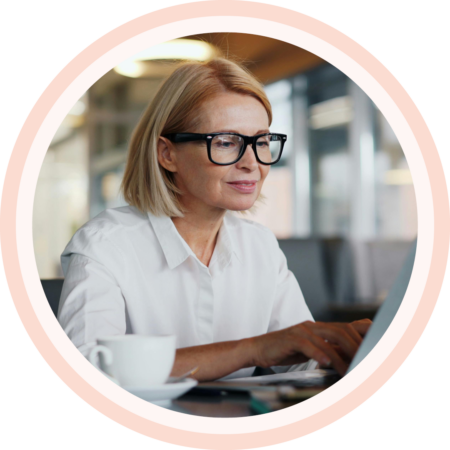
{"x":341,"y":201}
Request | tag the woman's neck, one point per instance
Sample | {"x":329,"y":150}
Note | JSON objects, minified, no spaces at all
{"x":200,"y":232}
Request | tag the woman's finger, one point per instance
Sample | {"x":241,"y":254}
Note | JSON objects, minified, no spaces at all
{"x":347,"y":328}
{"x":336,"y":335}
{"x":315,"y":347}
{"x":351,"y":331}
{"x":341,"y":353}
{"x":362,"y":326}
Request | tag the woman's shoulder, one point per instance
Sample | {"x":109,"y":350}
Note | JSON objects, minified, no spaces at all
{"x":110,"y":238}
{"x":109,"y":225}
{"x":115,"y":220}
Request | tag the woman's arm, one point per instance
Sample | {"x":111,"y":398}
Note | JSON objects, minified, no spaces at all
{"x":91,"y":309}
{"x":331,"y":344}
{"x":91,"y":303}
{"x":214,"y":360}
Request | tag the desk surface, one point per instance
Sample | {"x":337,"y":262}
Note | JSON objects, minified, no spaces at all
{"x":230,"y":405}
{"x":239,"y":404}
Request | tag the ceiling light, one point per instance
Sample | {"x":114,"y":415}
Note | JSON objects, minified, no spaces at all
{"x":133,"y":69}
{"x":331,"y":113}
{"x":176,"y":50}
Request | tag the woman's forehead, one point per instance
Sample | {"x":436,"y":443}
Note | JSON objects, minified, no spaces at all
{"x":233,"y":112}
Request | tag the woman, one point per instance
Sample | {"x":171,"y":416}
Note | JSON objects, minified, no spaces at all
{"x":177,"y":261}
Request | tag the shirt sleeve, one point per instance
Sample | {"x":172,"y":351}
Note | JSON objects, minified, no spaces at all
{"x":289,"y":308}
{"x":91,"y":304}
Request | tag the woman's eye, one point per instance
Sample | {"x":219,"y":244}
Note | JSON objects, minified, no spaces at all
{"x":225,"y":144}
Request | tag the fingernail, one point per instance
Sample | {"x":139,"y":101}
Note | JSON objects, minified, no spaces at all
{"x":326,"y":362}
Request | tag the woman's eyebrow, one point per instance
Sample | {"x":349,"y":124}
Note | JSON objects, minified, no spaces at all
{"x":237,"y":132}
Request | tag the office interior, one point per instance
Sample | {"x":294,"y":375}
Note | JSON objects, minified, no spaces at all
{"x":341,"y":201}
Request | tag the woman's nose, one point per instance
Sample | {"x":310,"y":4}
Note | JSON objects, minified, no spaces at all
{"x":248,"y":160}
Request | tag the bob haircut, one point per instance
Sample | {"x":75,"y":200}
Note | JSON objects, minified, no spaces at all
{"x":146,"y":184}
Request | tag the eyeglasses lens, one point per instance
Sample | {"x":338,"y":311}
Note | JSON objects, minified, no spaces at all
{"x":269,"y":148}
{"x":226,"y":148}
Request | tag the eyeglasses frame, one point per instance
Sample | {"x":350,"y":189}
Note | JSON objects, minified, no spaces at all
{"x":192,"y":137}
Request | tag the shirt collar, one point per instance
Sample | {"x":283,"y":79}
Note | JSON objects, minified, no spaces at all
{"x":227,"y":243}
{"x":173,"y":245}
{"x":176,"y":250}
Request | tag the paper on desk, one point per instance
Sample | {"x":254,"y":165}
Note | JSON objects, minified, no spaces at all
{"x":305,"y":378}
{"x":304,"y":375}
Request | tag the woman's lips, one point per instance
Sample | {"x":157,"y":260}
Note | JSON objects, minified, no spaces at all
{"x":245,"y":186}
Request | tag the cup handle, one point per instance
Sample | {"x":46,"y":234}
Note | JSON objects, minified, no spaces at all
{"x":108,"y":355}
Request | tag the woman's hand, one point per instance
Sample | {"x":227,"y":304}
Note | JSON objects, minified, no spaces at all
{"x":330,"y":344}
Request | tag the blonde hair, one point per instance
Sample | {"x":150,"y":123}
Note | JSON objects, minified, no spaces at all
{"x":146,"y":184}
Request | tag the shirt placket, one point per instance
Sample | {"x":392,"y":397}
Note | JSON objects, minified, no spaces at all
{"x":205,"y":310}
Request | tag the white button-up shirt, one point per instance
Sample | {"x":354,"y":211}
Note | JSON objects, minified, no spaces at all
{"x":127,"y":272}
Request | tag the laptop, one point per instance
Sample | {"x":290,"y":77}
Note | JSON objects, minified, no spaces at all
{"x":388,"y":309}
{"x":311,"y":378}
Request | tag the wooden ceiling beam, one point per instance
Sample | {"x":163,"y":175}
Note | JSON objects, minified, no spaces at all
{"x":268,"y":59}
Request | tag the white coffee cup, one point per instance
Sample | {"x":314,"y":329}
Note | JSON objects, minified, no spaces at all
{"x":135,"y":360}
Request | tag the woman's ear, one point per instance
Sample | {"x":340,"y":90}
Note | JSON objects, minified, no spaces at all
{"x":166,"y":154}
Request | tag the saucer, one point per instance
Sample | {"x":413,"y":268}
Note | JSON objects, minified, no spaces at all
{"x":160,"y":392}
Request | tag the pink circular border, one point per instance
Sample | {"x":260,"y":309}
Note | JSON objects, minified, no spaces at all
{"x":238,"y":9}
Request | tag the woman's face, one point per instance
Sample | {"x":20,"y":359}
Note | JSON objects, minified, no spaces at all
{"x":205,"y":184}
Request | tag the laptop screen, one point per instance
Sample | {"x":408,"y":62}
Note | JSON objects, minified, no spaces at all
{"x":387,"y":311}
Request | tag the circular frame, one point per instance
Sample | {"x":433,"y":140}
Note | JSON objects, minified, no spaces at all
{"x":10,"y":242}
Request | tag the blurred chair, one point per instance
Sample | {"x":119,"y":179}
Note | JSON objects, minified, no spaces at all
{"x":325,"y":271}
{"x":363,"y":270}
{"x":339,"y":269}
{"x":386,"y":259}
{"x":305,"y":258}
{"x":377,"y":264}
{"x":52,"y":290}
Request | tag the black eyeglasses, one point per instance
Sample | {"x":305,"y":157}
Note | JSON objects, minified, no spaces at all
{"x":225,"y":149}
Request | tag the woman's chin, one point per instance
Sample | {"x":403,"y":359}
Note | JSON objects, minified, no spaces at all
{"x":240,"y":206}
{"x":237,"y":202}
